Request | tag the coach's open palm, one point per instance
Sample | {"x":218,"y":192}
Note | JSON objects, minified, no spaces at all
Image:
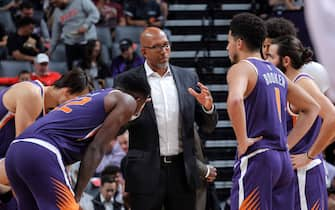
{"x":204,"y":97}
{"x":243,"y":146}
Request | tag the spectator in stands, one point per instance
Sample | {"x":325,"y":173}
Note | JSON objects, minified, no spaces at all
{"x":48,"y":10}
{"x":24,"y":75}
{"x":26,"y":9}
{"x":9,"y":5}
{"x":115,"y":171}
{"x":123,"y":140}
{"x":37,"y":4}
{"x":261,"y":8}
{"x":266,"y":8}
{"x":278,"y":6}
{"x":24,"y":45}
{"x":111,"y":13}
{"x":127,"y":59}
{"x":41,"y":72}
{"x":164,"y":9}
{"x":105,"y":198}
{"x":74,"y":21}
{"x":3,"y":42}
{"x":113,"y":156}
{"x":93,"y":64}
{"x":143,"y":13}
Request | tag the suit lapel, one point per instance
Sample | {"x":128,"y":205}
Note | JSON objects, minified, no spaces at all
{"x":149,"y":104}
{"x":180,"y":85}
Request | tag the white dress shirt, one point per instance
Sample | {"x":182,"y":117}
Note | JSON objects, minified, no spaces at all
{"x":165,"y":101}
{"x":108,"y":204}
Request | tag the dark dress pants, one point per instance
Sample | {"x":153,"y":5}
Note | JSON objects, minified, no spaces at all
{"x":173,"y":192}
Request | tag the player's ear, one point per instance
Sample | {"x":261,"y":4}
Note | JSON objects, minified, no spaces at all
{"x":286,"y":61}
{"x":65,"y":91}
{"x":239,"y":43}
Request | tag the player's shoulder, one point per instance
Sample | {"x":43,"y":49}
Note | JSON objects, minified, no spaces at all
{"x":26,"y":89}
{"x":306,"y":80}
{"x":182,"y":69}
{"x":117,"y":97}
{"x":243,"y":67}
{"x":24,"y":94}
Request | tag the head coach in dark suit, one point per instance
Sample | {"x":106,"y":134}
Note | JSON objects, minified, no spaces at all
{"x":160,"y":168}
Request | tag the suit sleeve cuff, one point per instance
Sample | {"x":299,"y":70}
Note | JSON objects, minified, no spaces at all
{"x":208,"y":171}
{"x":209,"y":111}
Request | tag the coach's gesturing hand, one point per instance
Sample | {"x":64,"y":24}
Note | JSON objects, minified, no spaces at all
{"x":204,"y":97}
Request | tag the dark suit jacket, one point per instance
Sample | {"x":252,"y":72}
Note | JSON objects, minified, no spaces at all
{"x":142,"y":165}
{"x":98,"y":205}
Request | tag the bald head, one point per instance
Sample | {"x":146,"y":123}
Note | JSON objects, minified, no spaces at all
{"x":155,"y":47}
{"x":151,"y":33}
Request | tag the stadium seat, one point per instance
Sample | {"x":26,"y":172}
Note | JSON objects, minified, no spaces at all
{"x":105,"y":54}
{"x":38,"y":14}
{"x":104,"y":36}
{"x":10,"y":68}
{"x":130,"y":32}
{"x":7,"y":21}
{"x":109,"y":81}
{"x":95,"y":84}
{"x":59,"y":66}
{"x":59,"y":53}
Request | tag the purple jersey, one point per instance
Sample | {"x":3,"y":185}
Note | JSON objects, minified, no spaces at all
{"x":7,"y":122}
{"x":71,"y":126}
{"x":307,"y":141}
{"x":265,"y":107}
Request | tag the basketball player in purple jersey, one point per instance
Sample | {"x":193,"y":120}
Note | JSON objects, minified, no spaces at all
{"x":277,"y":27}
{"x":78,"y":130}
{"x":21,"y":104}
{"x":289,"y":55}
{"x":258,"y":91}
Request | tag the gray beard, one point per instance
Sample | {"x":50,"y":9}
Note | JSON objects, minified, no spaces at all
{"x":162,"y":65}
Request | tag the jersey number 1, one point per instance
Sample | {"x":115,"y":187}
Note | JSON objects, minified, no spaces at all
{"x":278,"y":102}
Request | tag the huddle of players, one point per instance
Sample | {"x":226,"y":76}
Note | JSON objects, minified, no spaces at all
{"x":281,"y":119}
{"x":263,"y":142}
{"x":79,"y":127}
